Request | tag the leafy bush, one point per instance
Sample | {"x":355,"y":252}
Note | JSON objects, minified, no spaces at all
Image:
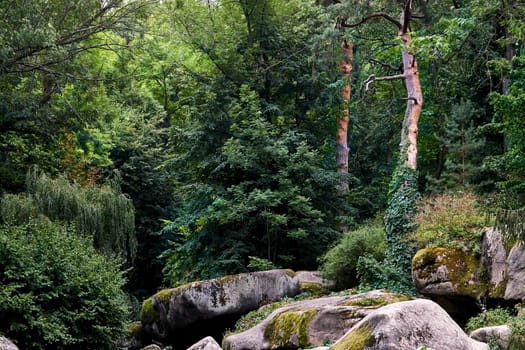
{"x":500,"y":316}
{"x":449,"y":220}
{"x":493,"y":317}
{"x":56,"y":291}
{"x":339,"y":263}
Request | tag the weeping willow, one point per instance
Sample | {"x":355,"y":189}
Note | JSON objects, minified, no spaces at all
{"x":103,"y":212}
{"x":512,"y":224}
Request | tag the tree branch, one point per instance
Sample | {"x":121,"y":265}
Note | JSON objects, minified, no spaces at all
{"x":373,"y":78}
{"x":371,"y":16}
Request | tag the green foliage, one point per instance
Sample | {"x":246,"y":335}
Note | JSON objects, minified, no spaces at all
{"x":260,"y":264}
{"x":502,"y":316}
{"x":493,"y":317}
{"x":399,"y":223}
{"x":56,"y":292}
{"x":450,"y":220}
{"x":101,"y":212}
{"x":339,"y":264}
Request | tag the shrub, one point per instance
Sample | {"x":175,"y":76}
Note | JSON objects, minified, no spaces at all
{"x":449,"y":220}
{"x":56,"y":291}
{"x":339,"y":263}
{"x":493,"y":317}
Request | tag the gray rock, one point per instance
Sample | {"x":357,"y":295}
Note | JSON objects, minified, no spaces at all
{"x":407,"y":325}
{"x":207,"y":343}
{"x":313,"y":282}
{"x":516,"y":273}
{"x":497,"y":335}
{"x":172,"y":310}
{"x":494,"y":258}
{"x":6,"y":344}
{"x":309,"y":323}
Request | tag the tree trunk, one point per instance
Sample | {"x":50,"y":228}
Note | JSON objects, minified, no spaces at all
{"x":342,"y":120}
{"x":414,"y":96}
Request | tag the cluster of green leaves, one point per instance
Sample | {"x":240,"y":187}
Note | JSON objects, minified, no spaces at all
{"x":498,"y":316}
{"x":339,"y":264}
{"x":103,"y":212}
{"x":56,"y":291}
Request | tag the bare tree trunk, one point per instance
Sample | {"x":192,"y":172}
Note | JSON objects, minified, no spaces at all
{"x":414,"y":95}
{"x":342,"y":121}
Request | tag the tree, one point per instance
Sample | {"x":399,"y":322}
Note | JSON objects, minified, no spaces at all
{"x":56,"y":291}
{"x":102,"y":213}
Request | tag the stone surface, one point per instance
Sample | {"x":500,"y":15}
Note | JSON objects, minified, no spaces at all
{"x":497,"y":335}
{"x":309,"y":323}
{"x":447,"y":271}
{"x":183,"y":313}
{"x":6,"y":344}
{"x":407,"y":325}
{"x":515,"y":288}
{"x":444,"y":273}
{"x":207,"y":343}
{"x":313,"y":282}
{"x":494,"y":259}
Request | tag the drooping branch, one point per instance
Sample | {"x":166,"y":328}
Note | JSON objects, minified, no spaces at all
{"x":371,"y":16}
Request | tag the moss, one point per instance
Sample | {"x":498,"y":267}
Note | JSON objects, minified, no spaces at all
{"x":311,"y":287}
{"x":357,"y":339}
{"x":134,"y":329}
{"x":380,"y":301}
{"x":289,"y":329}
{"x":464,"y":269}
{"x":148,"y":314}
{"x":498,"y":291}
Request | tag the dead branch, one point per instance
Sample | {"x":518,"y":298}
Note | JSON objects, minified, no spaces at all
{"x":373,"y":78}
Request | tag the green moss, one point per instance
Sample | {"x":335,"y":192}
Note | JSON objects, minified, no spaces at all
{"x":464,"y":269}
{"x":312,"y":288}
{"x":134,"y":329}
{"x":289,"y":329}
{"x":380,"y":301}
{"x":358,"y":339}
{"x":148,"y":314}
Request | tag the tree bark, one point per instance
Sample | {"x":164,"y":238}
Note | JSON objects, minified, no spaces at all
{"x":414,"y":95}
{"x":342,"y":120}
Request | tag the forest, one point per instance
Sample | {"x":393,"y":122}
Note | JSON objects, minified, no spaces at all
{"x":145,"y":144}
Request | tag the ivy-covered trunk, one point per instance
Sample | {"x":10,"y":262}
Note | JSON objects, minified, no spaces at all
{"x":403,"y":187}
{"x":342,"y":121}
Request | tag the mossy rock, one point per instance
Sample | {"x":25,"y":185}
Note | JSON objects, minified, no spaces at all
{"x":447,"y":271}
{"x":383,"y":300}
{"x":312,"y":288}
{"x":148,"y":313}
{"x":290,"y":328}
{"x":358,"y":339}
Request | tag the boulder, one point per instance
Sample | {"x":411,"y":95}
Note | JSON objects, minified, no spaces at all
{"x":494,"y":259}
{"x":6,"y":344}
{"x":447,"y":271}
{"x":407,"y":325}
{"x":310,"y":322}
{"x":207,"y":343}
{"x":497,"y":335}
{"x":515,"y":288}
{"x":457,"y":279}
{"x":312,"y":282}
{"x":181,"y":314}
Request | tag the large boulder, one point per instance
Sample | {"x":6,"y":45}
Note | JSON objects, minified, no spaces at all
{"x":407,"y":325}
{"x":458,"y":279}
{"x":515,"y":287}
{"x":6,"y":344}
{"x":310,"y":323}
{"x":180,"y":315}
